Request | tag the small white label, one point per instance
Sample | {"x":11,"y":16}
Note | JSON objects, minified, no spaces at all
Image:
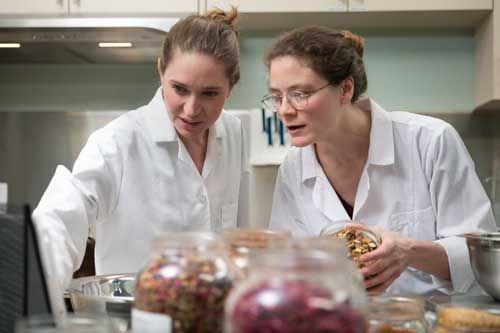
{"x":148,"y":322}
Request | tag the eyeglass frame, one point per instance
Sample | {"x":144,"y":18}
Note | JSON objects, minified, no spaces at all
{"x":305,"y":97}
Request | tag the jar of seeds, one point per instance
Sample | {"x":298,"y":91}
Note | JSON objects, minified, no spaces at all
{"x":359,"y":241}
{"x":462,"y":319}
{"x":184,"y":286}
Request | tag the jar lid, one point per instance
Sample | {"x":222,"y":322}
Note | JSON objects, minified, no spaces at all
{"x":191,"y":240}
{"x":395,"y":307}
{"x":255,"y":238}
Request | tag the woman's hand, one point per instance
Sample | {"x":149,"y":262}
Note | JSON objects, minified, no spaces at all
{"x":386,"y":263}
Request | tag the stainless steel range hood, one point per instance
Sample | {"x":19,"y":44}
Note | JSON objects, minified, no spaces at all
{"x":76,"y":40}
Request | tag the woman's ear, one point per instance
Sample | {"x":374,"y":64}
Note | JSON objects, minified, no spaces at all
{"x":158,"y":67}
{"x":347,"y":90}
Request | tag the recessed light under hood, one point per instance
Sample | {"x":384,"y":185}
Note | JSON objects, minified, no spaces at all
{"x":76,"y":40}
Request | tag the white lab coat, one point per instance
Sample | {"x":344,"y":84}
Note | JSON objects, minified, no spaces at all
{"x":419,"y":181}
{"x":133,"y":179}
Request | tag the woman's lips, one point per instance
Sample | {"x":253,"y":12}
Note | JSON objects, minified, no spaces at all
{"x":190,"y":124}
{"x":292,"y":129}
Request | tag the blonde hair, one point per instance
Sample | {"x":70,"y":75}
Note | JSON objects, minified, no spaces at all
{"x":213,"y":33}
{"x":334,"y":55}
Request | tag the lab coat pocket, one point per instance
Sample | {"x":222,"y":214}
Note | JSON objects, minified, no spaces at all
{"x":418,"y":224}
{"x":229,"y":215}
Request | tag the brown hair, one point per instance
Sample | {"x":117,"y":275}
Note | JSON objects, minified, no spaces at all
{"x":213,"y":33}
{"x":335,"y":55}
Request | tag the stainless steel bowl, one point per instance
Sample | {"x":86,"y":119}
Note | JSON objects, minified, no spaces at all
{"x":484,"y":253}
{"x":111,"y":295}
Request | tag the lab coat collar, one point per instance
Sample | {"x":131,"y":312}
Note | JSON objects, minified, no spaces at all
{"x":381,"y":151}
{"x":324,"y":197}
{"x":160,"y":125}
{"x":310,"y":165}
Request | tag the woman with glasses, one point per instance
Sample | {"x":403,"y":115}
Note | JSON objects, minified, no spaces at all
{"x":175,"y":164}
{"x":407,"y":176}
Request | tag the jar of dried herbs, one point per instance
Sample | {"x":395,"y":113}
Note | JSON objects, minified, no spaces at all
{"x":295,"y":291}
{"x":242,"y":242}
{"x":184,"y":286}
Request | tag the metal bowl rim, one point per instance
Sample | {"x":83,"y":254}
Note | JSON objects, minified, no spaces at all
{"x":72,"y":290}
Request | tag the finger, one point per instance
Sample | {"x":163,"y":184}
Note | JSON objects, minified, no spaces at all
{"x":385,"y":285}
{"x":376,"y":267}
{"x":381,"y":252}
{"x":382,"y":277}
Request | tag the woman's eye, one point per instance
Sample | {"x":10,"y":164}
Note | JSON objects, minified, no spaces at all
{"x":297,"y":94}
{"x":180,"y":90}
{"x":211,"y":94}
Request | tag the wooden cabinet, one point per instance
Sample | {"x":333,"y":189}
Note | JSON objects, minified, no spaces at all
{"x":284,"y":6}
{"x":33,"y":7}
{"x":97,"y":7}
{"x":259,"y":6}
{"x":487,"y":82}
{"x":132,"y":7}
{"x":421,"y":5}
{"x":260,"y":15}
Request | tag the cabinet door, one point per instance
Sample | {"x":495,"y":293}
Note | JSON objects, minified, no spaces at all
{"x":133,"y":7}
{"x":33,"y":7}
{"x":262,"y":6}
{"x":420,"y":5}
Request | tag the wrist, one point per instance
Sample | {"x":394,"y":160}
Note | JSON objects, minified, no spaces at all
{"x":412,"y":252}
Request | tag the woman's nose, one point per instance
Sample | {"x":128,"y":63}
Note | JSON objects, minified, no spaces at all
{"x":286,"y":109}
{"x":192,"y":106}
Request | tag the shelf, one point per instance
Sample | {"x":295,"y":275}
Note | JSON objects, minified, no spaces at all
{"x":265,"y":22}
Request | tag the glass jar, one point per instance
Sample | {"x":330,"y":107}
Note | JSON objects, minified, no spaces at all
{"x":295,"y":291}
{"x":396,"y":314}
{"x":359,"y":241}
{"x":241,"y":242}
{"x":458,"y":319}
{"x":74,"y":323}
{"x":184,"y":286}
{"x":336,"y":247}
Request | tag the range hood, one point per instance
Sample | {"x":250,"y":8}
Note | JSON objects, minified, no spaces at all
{"x":76,"y":40}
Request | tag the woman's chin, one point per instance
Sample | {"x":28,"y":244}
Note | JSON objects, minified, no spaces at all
{"x":300,"y":141}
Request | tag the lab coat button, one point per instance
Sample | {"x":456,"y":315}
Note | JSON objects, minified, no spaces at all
{"x":203,"y":198}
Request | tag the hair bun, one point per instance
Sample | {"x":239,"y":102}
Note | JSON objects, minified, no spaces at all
{"x":221,"y":16}
{"x":356,"y":41}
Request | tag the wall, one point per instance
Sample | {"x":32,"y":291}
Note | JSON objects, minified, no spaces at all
{"x":429,"y":71}
{"x":411,"y":70}
{"x":417,"y":70}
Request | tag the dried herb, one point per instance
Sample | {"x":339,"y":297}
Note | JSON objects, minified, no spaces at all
{"x":294,"y":306}
{"x":191,"y":290}
{"x":358,"y":243}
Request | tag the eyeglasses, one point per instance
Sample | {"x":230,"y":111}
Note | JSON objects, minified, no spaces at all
{"x":297,"y":99}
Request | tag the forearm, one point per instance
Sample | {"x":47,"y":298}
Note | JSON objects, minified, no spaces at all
{"x":429,"y":257}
